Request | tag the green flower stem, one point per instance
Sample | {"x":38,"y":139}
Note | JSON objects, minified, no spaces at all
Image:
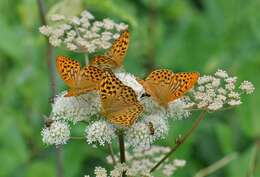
{"x":180,"y":141}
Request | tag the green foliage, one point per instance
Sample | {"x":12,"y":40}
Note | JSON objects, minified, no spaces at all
{"x":182,"y":35}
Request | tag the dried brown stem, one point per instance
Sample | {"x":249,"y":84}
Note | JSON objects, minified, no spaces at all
{"x":181,"y":140}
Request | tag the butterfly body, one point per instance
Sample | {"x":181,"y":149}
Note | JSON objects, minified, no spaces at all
{"x":114,"y":57}
{"x":119,"y":102}
{"x":165,"y":86}
{"x":79,"y":80}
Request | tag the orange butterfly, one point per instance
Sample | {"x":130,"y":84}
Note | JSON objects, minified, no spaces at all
{"x":80,"y":81}
{"x":119,"y":102}
{"x":115,"y":56}
{"x":165,"y":86}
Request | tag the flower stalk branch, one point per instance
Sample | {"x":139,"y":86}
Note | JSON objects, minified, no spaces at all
{"x":180,"y":141}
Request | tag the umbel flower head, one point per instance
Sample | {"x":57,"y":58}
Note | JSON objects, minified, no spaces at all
{"x":82,"y":33}
{"x":57,"y":133}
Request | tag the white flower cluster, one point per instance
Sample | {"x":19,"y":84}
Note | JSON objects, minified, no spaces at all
{"x":139,"y":163}
{"x":100,"y":132}
{"x":75,"y":108}
{"x":215,"y":92}
{"x":57,"y":133}
{"x":83,"y":33}
{"x":211,"y":93}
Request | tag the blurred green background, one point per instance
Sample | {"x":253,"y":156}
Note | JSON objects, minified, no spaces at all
{"x":182,"y":35}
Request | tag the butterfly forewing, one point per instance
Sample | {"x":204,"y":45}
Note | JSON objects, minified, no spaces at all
{"x":165,"y":86}
{"x":114,"y":57}
{"x":68,"y":69}
{"x":119,"y":48}
{"x":80,"y":81}
{"x":119,"y":102}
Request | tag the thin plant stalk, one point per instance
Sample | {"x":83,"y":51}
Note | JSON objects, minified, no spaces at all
{"x":50,"y":53}
{"x":180,"y":141}
{"x":111,"y":152}
{"x":122,"y":149}
{"x":216,"y":166}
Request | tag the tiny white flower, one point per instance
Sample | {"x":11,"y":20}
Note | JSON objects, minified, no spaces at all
{"x":100,"y":132}
{"x":234,"y":102}
{"x":65,"y":27}
{"x":55,"y":41}
{"x":215,"y":82}
{"x":118,"y":170}
{"x":231,"y":80}
{"x":74,"y":20}
{"x":106,"y":36}
{"x":108,"y":24}
{"x":46,"y":30}
{"x":230,"y":86}
{"x":98,"y":24}
{"x":58,"y":133}
{"x":233,"y":94}
{"x":221,"y":73}
{"x":221,"y":91}
{"x":218,"y":104}
{"x":57,"y":17}
{"x":204,"y":79}
{"x":72,"y":33}
{"x":176,"y":110}
{"x":100,"y":172}
{"x":138,"y":135}
{"x":105,"y":45}
{"x":71,"y":46}
{"x":87,"y":14}
{"x":121,"y":26}
{"x":247,"y":87}
{"x":115,"y":36}
{"x":179,"y":162}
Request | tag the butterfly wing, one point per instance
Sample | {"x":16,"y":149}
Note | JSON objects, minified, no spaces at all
{"x":68,"y":69}
{"x":165,"y":86}
{"x":119,"y":48}
{"x":89,"y":79}
{"x":119,"y":102}
{"x":80,"y":81}
{"x":114,"y":57}
{"x":103,"y":62}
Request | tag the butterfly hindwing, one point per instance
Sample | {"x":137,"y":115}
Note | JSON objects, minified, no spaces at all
{"x":119,"y":102}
